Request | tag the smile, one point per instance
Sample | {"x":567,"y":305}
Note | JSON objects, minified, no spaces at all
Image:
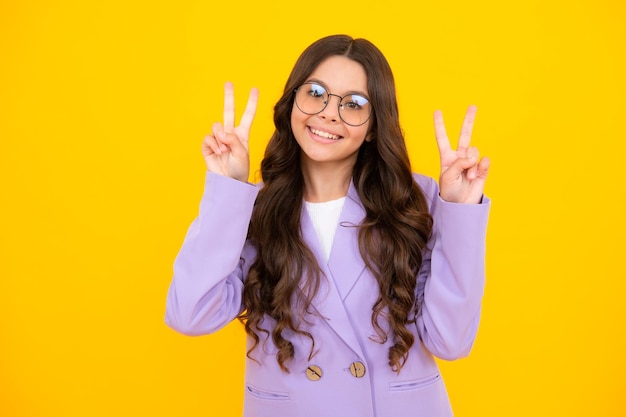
{"x":325,"y":135}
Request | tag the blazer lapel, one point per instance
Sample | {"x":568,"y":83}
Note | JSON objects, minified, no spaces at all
{"x":345,"y":261}
{"x":343,"y":270}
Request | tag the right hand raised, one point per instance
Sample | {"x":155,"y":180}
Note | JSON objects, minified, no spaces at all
{"x":225,"y":151}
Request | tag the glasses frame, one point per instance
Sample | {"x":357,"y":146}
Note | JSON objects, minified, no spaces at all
{"x":339,"y":105}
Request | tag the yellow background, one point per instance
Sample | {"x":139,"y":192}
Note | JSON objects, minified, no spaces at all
{"x":103,"y":107}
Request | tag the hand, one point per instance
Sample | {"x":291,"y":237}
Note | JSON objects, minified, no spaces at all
{"x":225,"y":151}
{"x":463,"y":175}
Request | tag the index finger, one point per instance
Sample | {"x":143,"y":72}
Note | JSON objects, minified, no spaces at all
{"x":440,"y":132}
{"x":468,"y":125}
{"x":229,"y":107}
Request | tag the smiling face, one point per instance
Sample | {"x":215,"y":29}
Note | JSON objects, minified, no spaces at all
{"x":324,"y":138}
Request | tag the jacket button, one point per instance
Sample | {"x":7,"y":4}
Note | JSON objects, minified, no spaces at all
{"x":357,"y":369}
{"x":314,"y":373}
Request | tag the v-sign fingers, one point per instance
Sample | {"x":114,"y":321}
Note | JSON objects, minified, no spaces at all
{"x":229,"y":107}
{"x":466,"y":130}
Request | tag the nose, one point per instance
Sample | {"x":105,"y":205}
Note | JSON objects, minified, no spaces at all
{"x":331,"y":111}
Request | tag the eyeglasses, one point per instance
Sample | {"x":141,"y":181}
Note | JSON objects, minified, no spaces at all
{"x":312,"y":98}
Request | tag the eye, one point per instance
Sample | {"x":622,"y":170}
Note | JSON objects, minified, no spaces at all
{"x":316,"y":90}
{"x":355,"y":102}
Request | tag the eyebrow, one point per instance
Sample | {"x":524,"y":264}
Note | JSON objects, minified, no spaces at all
{"x":323,"y":84}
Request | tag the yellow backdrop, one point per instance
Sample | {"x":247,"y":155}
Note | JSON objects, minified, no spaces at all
{"x":103,"y":107}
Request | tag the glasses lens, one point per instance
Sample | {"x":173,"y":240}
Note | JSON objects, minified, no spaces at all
{"x":311,"y":98}
{"x":355,"y":109}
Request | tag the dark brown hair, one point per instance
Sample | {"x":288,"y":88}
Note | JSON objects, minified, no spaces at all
{"x":392,"y":235}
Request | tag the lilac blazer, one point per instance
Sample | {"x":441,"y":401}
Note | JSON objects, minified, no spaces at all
{"x":349,"y":375}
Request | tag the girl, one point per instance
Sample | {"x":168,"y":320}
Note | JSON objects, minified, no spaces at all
{"x":349,"y":272}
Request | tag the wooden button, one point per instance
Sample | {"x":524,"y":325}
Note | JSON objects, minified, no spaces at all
{"x":314,"y":373}
{"x":357,"y":369}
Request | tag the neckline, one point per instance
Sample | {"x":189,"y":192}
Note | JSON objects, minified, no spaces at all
{"x":329,"y":202}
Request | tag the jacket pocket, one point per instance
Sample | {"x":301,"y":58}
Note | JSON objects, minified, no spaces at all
{"x":414,"y":384}
{"x":266,"y":395}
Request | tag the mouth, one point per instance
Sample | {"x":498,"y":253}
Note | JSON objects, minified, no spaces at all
{"x":325,"y":135}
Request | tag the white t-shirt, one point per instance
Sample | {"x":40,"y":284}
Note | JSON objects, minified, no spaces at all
{"x":325,"y":217}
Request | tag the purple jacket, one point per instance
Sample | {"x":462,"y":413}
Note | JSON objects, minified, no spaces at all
{"x":349,"y":375}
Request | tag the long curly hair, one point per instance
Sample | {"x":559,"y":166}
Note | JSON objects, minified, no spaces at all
{"x":285,"y":277}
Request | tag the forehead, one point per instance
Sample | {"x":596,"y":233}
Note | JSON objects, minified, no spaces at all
{"x":341,"y":74}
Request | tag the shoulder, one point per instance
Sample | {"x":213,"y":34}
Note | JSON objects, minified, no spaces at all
{"x":428,"y":185}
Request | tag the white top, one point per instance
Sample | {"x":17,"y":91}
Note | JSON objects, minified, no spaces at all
{"x":325,"y":217}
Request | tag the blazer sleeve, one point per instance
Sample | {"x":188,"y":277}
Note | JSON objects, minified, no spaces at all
{"x":452,"y":278}
{"x":206,"y":291}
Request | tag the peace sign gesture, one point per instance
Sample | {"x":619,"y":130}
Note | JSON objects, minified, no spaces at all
{"x":225,"y":151}
{"x":463,"y":176}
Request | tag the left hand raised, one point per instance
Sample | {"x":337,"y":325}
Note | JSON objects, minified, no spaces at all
{"x":463,"y":174}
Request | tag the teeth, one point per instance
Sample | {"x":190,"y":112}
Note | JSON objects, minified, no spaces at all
{"x":325,"y":134}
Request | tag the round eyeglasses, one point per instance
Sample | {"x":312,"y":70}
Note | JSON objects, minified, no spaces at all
{"x":312,"y":98}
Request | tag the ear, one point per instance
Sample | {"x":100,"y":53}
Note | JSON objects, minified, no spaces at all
{"x":369,"y":137}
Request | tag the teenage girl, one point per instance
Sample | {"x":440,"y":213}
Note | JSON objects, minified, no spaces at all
{"x":350,"y":272}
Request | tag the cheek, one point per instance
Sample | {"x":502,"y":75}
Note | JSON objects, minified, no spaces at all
{"x":299,"y":121}
{"x":296,"y":115}
{"x":297,"y":124}
{"x":361,"y":133}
